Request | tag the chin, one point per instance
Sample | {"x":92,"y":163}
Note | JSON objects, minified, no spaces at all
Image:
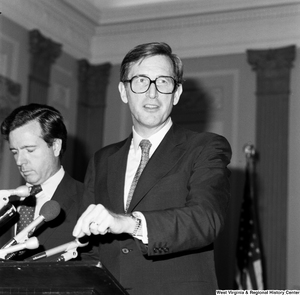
{"x":29,"y":179}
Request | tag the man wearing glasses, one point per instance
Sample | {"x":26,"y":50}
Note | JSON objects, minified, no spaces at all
{"x":158,"y":199}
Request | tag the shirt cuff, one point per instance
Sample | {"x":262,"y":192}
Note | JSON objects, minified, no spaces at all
{"x":143,"y":235}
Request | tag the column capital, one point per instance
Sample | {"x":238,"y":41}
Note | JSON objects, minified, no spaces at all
{"x":43,"y":48}
{"x":264,"y":60}
{"x":43,"y":53}
{"x":93,"y":80}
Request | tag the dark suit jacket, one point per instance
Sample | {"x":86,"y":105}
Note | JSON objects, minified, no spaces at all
{"x":183,"y":193}
{"x":58,"y":231}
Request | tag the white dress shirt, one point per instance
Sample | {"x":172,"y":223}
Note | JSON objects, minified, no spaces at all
{"x":49,"y":187}
{"x":133,"y":161}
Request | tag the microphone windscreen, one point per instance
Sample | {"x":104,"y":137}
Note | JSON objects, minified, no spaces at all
{"x":50,"y":210}
{"x":21,"y":191}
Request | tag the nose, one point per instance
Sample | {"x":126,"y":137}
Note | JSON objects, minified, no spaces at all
{"x":20,"y":159}
{"x":152,"y":91}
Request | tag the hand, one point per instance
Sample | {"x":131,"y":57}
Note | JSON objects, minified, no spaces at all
{"x":98,"y":220}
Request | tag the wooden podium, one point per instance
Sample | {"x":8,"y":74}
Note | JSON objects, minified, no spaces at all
{"x":71,"y":277}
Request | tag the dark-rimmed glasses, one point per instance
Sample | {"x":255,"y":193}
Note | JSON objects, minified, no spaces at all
{"x":141,"y":84}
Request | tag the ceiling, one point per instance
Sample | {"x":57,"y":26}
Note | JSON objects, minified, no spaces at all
{"x":103,"y":12}
{"x":115,"y":4}
{"x":116,"y":11}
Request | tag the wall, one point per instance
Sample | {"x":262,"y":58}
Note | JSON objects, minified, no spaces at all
{"x":117,"y":122}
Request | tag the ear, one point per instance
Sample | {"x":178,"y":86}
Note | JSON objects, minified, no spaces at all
{"x":57,"y":143}
{"x":123,"y":93}
{"x":177,"y":94}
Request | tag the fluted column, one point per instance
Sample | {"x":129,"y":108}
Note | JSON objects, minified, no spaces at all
{"x":273,"y":69}
{"x":92,"y":81}
{"x":43,"y":53}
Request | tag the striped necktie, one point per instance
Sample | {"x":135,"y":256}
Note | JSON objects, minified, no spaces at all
{"x":145,"y":145}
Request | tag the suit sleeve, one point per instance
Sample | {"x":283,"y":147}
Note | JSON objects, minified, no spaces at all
{"x":90,"y":252}
{"x":89,"y":196}
{"x":198,"y":222}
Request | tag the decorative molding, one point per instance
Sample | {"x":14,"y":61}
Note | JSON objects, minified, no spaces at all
{"x":272,"y":59}
{"x":55,"y":20}
{"x":202,"y":35}
{"x":93,"y":81}
{"x":193,"y":28}
{"x":200,"y":17}
{"x":86,"y":9}
{"x":121,"y":11}
{"x":43,"y":53}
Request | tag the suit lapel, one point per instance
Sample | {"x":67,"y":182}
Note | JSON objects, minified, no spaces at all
{"x":166,"y":156}
{"x":63,"y":193}
{"x":117,"y":163}
{"x":62,"y":196}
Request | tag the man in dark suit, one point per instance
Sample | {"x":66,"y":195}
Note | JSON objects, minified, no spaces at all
{"x":37,"y":139}
{"x":156,"y":228}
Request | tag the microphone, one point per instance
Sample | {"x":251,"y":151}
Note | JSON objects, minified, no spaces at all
{"x":31,"y":243}
{"x":7,"y":210}
{"x":48,"y":212}
{"x":22,"y":191}
{"x":71,"y":246}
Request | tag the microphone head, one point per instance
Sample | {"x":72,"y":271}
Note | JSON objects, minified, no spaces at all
{"x":31,"y":243}
{"x":21,"y":191}
{"x":50,"y":210}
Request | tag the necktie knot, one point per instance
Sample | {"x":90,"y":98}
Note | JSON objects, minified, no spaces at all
{"x":35,"y":189}
{"x":145,"y":145}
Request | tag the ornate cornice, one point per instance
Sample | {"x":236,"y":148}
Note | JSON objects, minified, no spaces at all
{"x":125,"y":12}
{"x":204,"y":34}
{"x":206,"y":28}
{"x":195,"y":20}
{"x":55,"y":20}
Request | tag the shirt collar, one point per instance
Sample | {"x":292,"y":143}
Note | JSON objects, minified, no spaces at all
{"x":155,"y":139}
{"x":50,"y":185}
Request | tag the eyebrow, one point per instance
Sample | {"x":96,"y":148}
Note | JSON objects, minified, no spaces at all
{"x":23,"y":147}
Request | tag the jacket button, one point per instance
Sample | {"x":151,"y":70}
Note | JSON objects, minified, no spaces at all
{"x":125,"y":250}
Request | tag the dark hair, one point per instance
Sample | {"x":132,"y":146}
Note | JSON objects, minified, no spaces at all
{"x":50,"y":119}
{"x":142,"y":51}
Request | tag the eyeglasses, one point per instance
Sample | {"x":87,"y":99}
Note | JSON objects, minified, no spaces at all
{"x":141,"y":84}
